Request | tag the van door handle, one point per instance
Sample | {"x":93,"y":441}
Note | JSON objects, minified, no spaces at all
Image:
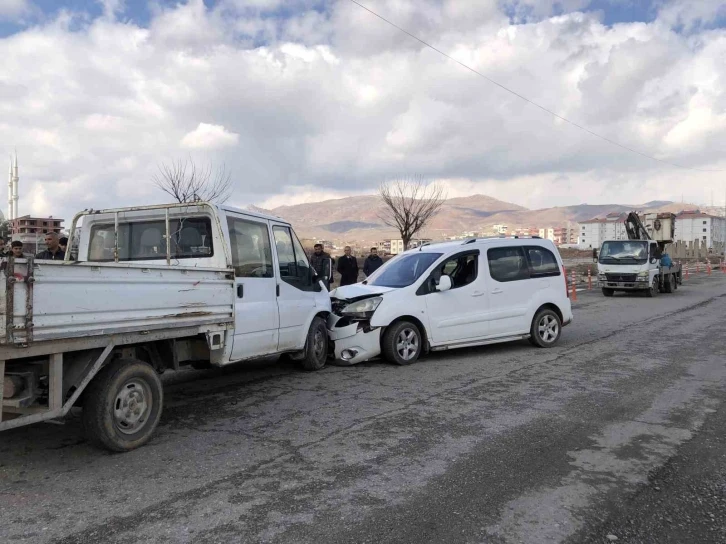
{"x":477,"y":293}
{"x":497,"y":292}
{"x":240,"y":290}
{"x":278,"y":289}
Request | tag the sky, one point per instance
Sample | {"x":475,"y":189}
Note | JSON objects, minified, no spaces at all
{"x":304,"y":100}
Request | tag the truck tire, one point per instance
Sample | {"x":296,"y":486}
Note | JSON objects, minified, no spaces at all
{"x":316,"y":346}
{"x":654,"y":288}
{"x":608,"y":292}
{"x":546,"y":329}
{"x":402,"y":343}
{"x":669,"y":281}
{"x":123,"y":405}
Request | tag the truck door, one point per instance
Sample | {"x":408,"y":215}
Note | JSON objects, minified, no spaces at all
{"x":296,"y":289}
{"x":257,"y":319}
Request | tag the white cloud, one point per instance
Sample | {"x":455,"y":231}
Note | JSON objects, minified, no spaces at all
{"x":207,"y":136}
{"x":14,"y":10}
{"x":331,"y":103}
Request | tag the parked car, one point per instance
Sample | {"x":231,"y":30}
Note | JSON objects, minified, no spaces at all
{"x":452,"y":295}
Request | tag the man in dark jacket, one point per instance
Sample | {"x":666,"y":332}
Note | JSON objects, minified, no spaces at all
{"x":373,"y":262}
{"x":322,"y":263}
{"x":348,"y":268}
{"x":54,"y":251}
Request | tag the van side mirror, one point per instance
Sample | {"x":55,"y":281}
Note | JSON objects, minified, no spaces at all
{"x":444,"y":284}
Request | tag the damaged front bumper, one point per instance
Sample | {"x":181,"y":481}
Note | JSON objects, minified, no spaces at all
{"x":353,"y":341}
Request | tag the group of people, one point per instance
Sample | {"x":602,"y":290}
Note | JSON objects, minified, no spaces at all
{"x":55,"y":248}
{"x":347,"y":265}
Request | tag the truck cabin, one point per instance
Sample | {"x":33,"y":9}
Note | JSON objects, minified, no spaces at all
{"x":175,"y":235}
{"x":624,"y":252}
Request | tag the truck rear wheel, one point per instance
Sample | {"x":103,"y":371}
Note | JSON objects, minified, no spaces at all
{"x":316,"y":346}
{"x":123,"y":405}
{"x":670,"y":281}
{"x":608,"y":292}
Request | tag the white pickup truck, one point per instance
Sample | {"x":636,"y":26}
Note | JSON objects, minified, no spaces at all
{"x":152,"y":288}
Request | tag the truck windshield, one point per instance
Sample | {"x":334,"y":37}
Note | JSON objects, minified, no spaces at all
{"x":404,"y":270}
{"x":625,"y":252}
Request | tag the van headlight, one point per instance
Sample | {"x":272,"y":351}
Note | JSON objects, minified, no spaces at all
{"x":363,"y":309}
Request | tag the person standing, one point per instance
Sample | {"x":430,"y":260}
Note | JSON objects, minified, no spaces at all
{"x":373,"y":262}
{"x":322,"y":263}
{"x":348,"y":268}
{"x":53,"y":250}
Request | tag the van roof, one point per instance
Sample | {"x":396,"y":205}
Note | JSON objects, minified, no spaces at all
{"x":473,"y":243}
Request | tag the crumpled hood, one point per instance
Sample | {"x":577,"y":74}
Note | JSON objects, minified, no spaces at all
{"x":358,"y":290}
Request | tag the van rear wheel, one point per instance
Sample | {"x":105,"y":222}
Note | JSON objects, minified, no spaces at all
{"x":123,"y":405}
{"x":546,"y":329}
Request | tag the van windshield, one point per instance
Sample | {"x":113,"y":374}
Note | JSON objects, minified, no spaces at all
{"x":625,"y":252}
{"x":404,"y":270}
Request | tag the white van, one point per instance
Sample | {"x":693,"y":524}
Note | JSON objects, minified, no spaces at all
{"x":451,"y":295}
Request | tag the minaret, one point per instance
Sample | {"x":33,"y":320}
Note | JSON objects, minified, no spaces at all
{"x":15,"y":187}
{"x":10,"y":191}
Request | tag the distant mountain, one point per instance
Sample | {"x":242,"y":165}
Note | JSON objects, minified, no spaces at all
{"x":347,"y":226}
{"x":358,"y":218}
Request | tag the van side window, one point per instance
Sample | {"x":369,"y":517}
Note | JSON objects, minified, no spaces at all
{"x":293,"y":263}
{"x":462,"y":269}
{"x":507,"y":264}
{"x":191,"y":238}
{"x":542,"y":262}
{"x":251,"y":250}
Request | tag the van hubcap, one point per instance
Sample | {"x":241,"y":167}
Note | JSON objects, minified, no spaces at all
{"x":548,"y":329}
{"x":407,"y":344}
{"x":132,"y":406}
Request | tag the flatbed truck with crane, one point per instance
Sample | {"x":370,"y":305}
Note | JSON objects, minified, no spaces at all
{"x":641,"y":262}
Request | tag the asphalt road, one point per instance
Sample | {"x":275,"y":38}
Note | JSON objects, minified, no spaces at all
{"x":498,"y":444}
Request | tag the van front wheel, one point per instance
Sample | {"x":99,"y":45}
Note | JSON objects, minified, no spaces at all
{"x":402,"y":343}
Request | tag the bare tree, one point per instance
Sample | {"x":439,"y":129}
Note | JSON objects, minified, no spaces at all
{"x":186,"y":182}
{"x":409,"y":204}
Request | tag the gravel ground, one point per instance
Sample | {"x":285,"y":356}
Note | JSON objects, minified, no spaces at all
{"x":504,"y":443}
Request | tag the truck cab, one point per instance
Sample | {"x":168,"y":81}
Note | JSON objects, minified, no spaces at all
{"x":628,"y":265}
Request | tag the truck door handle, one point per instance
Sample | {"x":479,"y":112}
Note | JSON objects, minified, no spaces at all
{"x":497,"y":292}
{"x":240,"y":290}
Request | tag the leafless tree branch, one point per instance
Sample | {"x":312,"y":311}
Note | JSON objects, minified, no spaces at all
{"x":184,"y":181}
{"x":409,"y":205}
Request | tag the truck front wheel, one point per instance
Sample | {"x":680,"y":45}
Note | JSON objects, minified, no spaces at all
{"x":123,"y":405}
{"x":316,"y":346}
{"x":654,"y":288}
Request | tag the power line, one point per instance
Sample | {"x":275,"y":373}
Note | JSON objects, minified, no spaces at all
{"x":522,"y":97}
